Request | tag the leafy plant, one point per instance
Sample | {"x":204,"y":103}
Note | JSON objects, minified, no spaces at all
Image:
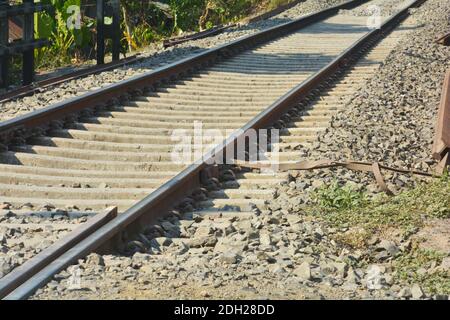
{"x":337,"y":197}
{"x":142,"y":35}
{"x":56,"y":54}
{"x":143,"y":22}
{"x":66,"y":43}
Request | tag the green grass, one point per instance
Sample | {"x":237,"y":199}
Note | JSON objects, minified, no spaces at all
{"x":344,"y":206}
{"x":364,"y":217}
{"x":408,"y":268}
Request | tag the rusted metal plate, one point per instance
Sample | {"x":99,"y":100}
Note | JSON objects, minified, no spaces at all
{"x":24,"y":272}
{"x":15,"y":28}
{"x":441,"y":144}
{"x":444,"y":40}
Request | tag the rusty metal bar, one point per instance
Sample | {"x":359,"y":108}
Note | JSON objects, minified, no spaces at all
{"x":199,"y":35}
{"x":444,"y":40}
{"x":441,"y":145}
{"x":30,"y":268}
{"x":442,"y":137}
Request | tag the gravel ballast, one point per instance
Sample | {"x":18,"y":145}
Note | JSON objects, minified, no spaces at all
{"x":392,"y":119}
{"x":24,"y":234}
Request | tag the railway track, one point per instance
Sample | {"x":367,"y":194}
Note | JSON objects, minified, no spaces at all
{"x":114,"y":147}
{"x":117,"y":155}
{"x":43,"y":84}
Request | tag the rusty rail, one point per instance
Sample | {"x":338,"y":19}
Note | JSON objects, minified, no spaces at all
{"x":441,"y":145}
{"x":221,"y":28}
{"x":46,"y":257}
{"x":162,"y":199}
{"x":30,"y":89}
{"x":444,"y":40}
{"x":195,"y":36}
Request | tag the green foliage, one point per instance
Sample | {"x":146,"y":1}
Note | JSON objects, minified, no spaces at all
{"x":66,"y":42}
{"x":186,"y":13}
{"x":334,"y":196}
{"x":44,"y":25}
{"x":142,"y":36}
{"x":405,"y":212}
{"x":81,"y":36}
{"x":146,"y":22}
{"x":56,"y":54}
{"x":408,"y":269}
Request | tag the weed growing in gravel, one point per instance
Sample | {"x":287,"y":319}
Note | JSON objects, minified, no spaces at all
{"x":345,"y":207}
{"x":414,"y":267}
{"x":334,"y":196}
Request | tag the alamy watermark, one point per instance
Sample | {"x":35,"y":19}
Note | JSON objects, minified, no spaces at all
{"x":73,"y":21}
{"x":215,"y":146}
{"x":374,"y":278}
{"x":374,"y":20}
{"x":74,"y":281}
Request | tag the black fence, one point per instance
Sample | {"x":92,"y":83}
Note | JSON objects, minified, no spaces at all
{"x":26,"y":45}
{"x":115,"y":32}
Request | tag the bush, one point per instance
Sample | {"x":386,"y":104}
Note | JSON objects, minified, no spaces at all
{"x":143,"y":22}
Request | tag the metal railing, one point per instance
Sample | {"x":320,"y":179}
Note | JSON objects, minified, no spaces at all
{"x":27,"y":44}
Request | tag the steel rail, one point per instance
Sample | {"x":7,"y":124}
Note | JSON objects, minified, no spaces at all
{"x":195,"y":36}
{"x":32,"y":88}
{"x":31,"y":267}
{"x":221,"y":28}
{"x":160,"y":200}
{"x":444,"y":40}
{"x":74,"y":105}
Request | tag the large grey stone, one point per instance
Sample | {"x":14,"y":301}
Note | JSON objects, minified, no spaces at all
{"x":229,"y":257}
{"x":417,"y":292}
{"x":160,"y":242}
{"x":303,"y":271}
